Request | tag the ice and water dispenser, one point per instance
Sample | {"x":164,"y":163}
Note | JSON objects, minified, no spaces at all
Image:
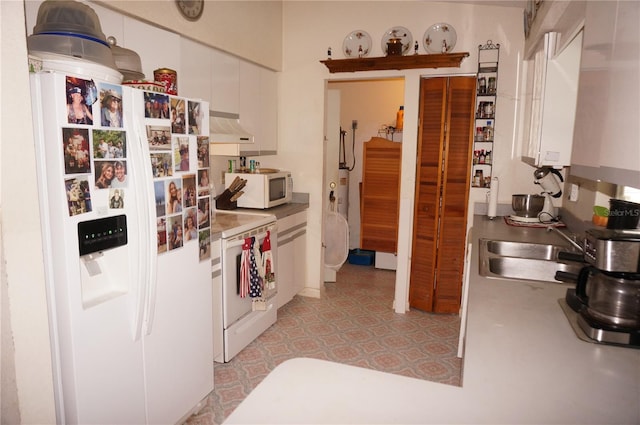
{"x":104,"y":266}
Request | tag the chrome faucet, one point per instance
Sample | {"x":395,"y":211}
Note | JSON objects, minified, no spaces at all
{"x":571,"y":239}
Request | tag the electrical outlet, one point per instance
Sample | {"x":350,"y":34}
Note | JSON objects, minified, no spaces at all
{"x":222,"y":177}
{"x":354,"y":124}
{"x":573,"y":192}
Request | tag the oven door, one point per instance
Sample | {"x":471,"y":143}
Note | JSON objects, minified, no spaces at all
{"x":236,"y":307}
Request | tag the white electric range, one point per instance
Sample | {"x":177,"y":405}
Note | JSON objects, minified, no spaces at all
{"x":240,"y":317}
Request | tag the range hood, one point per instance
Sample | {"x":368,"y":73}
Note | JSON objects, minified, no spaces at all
{"x":224,"y":127}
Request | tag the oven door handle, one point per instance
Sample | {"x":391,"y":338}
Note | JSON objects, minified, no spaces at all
{"x":228,"y":244}
{"x":239,"y":240}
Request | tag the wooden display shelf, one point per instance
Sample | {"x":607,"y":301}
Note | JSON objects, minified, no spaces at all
{"x":435,"y":60}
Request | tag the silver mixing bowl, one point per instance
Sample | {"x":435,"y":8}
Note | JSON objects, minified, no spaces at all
{"x":527,"y":206}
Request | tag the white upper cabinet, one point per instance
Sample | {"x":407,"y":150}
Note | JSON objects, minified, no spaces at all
{"x":269,"y":111}
{"x":195,"y":70}
{"x":550,"y":102}
{"x":157,"y":48}
{"x":607,"y":131}
{"x":225,"y":82}
{"x":258,"y":108}
{"x":250,"y":91}
{"x":250,"y":99}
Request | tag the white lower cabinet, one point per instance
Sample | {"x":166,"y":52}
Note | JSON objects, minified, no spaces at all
{"x":291,"y":266}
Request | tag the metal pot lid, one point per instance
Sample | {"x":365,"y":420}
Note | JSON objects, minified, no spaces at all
{"x":127,"y":61}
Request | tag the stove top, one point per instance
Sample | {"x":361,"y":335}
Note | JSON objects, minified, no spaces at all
{"x":230,"y":223}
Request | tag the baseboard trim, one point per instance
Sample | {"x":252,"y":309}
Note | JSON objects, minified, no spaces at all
{"x":310,"y":292}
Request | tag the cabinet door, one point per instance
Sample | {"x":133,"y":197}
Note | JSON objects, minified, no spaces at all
{"x":285,"y":270}
{"x":268,"y":112}
{"x":158,"y":48}
{"x":300,"y":248}
{"x":380,"y":195}
{"x":225,"y":82}
{"x":442,"y":193}
{"x":535,"y":76}
{"x":600,"y":21}
{"x":195,"y":70}
{"x":550,"y":103}
{"x":258,"y":108}
{"x":560,"y":97}
{"x":291,"y":261}
{"x":620,"y":151}
{"x":607,"y":126}
{"x":249,"y":97}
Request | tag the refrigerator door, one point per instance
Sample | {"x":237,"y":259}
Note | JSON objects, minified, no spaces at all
{"x":178,"y":354}
{"x":95,"y":303}
{"x":178,"y":332}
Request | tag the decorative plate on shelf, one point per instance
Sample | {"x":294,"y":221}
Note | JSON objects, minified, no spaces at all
{"x":357,"y":44}
{"x":439,"y":38}
{"x":398,"y":32}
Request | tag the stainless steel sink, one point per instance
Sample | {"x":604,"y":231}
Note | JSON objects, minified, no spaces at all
{"x":523,"y":260}
{"x":536,"y":251}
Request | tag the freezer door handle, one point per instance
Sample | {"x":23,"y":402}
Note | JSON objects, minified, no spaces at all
{"x":140,"y":280}
{"x":151,"y":249}
{"x":142,"y":179}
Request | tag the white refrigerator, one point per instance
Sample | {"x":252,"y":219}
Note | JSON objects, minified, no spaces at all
{"x":126,"y":230}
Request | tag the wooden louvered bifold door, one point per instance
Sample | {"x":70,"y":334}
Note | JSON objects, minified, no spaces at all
{"x":380,"y":195}
{"x":445,"y":139}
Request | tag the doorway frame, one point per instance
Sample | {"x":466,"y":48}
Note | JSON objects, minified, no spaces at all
{"x":409,"y":141}
{"x":412,"y":79}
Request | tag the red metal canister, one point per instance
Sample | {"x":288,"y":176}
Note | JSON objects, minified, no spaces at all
{"x":167,"y":78}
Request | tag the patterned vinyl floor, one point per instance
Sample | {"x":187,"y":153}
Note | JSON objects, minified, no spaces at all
{"x":354,"y":324}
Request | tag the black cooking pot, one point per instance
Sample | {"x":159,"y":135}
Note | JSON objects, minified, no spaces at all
{"x":623,"y":214}
{"x":609,"y":298}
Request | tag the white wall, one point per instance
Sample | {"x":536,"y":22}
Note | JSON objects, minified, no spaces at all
{"x":301,"y":116}
{"x":31,"y":396}
{"x":248,"y":29}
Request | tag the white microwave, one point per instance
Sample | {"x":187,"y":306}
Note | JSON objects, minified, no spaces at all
{"x":263,"y":190}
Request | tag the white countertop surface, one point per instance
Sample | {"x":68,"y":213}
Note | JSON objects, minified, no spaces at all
{"x":230,"y":223}
{"x":522,"y":364}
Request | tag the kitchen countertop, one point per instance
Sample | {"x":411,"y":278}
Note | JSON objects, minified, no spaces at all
{"x":230,"y":222}
{"x":281,"y":211}
{"x":522,"y":364}
{"x":227,"y":219}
